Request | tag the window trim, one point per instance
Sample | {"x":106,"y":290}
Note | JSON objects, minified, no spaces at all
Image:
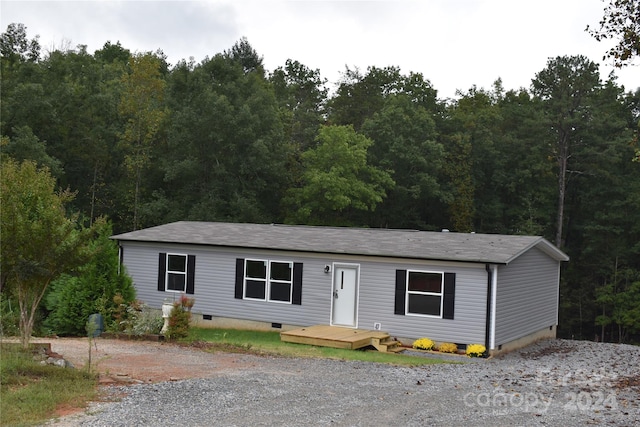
{"x":268,"y":280}
{"x":439,"y":294}
{"x":289,"y":282}
{"x":185,"y":273}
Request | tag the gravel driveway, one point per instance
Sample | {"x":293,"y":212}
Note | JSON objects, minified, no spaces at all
{"x":557,"y":382}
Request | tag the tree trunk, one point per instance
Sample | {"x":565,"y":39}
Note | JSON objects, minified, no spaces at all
{"x":26,"y":316}
{"x":620,"y":337}
{"x":563,"y":158}
{"x":135,"y":200}
{"x":93,"y":193}
{"x":28,"y":310}
{"x":602,"y":326}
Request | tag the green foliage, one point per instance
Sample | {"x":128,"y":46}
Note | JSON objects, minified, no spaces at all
{"x":9,"y":316}
{"x":244,"y":54}
{"x":179,"y":319}
{"x":621,"y":21}
{"x":302,"y":95}
{"x":134,"y":318}
{"x":39,"y":241}
{"x":224,"y":140}
{"x":225,"y":158}
{"x":566,"y":87}
{"x":26,"y":146}
{"x":337,"y":179}
{"x":15,"y":46}
{"x":91,"y":289}
{"x":404,"y":143}
{"x":459,"y":169}
{"x":620,"y":301}
{"x":142,"y":107}
{"x":145,"y":320}
{"x":31,"y":391}
{"x":269,"y":342}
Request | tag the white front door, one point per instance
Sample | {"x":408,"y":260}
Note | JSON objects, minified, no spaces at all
{"x":345,"y":295}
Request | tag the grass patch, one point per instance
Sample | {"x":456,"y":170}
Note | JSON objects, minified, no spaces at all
{"x":261,"y":342}
{"x":31,"y":392}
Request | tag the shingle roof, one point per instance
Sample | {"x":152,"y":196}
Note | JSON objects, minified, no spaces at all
{"x":444,"y":246}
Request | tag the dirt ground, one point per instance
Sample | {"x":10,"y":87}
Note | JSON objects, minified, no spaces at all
{"x":121,"y":362}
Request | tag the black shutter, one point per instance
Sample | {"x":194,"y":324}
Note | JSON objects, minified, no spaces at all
{"x":191,"y":272}
{"x":401,"y":287}
{"x":449,"y":295}
{"x":297,"y":283}
{"x":239,"y":278}
{"x":162,"y":269}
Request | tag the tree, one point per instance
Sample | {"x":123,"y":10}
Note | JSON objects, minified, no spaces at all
{"x":603,"y":213}
{"x":337,"y":179}
{"x":302,"y":95}
{"x":16,"y":47}
{"x":404,"y":143}
{"x":244,"y":54}
{"x":21,"y":90}
{"x":39,"y":242}
{"x":111,"y":53}
{"x":565,"y":87}
{"x":142,"y":106}
{"x":226,"y":155}
{"x":621,"y":21}
{"x":359,"y":96}
{"x":26,"y":146}
{"x":620,"y":301}
{"x":460,"y":169}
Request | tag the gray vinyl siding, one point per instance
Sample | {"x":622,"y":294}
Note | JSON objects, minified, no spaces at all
{"x":527,"y":296}
{"x":215,"y":281}
{"x":377,"y":290}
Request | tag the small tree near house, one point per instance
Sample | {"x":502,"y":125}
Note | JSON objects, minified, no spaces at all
{"x":39,"y":241}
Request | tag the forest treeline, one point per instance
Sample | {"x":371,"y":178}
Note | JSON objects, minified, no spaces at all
{"x":144,"y":142}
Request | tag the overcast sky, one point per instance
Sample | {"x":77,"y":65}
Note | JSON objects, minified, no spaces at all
{"x":454,"y":43}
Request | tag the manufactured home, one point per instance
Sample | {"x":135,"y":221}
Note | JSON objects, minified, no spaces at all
{"x":496,"y":290}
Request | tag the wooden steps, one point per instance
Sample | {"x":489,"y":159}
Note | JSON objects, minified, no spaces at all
{"x":386,"y":345}
{"x":341,"y":337}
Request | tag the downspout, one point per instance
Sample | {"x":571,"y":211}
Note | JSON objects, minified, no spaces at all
{"x":494,"y":306}
{"x":487,"y":329}
{"x":120,"y":257}
{"x":490,"y":329}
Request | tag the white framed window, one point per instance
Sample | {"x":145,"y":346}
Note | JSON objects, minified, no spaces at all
{"x":266,"y":280}
{"x":176,"y":272}
{"x":255,"y":279}
{"x":425,"y":292}
{"x":280,"y":281}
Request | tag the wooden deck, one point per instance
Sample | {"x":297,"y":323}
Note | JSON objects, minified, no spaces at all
{"x":339,"y":337}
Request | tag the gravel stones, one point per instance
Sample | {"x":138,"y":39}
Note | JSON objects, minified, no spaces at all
{"x":555,"y":382}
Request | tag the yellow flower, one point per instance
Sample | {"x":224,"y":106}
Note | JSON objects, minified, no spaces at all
{"x":423,"y":344}
{"x":448,"y":347}
{"x":476,"y":350}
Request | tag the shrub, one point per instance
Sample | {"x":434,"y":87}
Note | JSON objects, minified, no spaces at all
{"x":71,"y":299}
{"x":9,"y":316}
{"x":448,"y":347}
{"x":476,"y":350}
{"x":423,"y":344}
{"x":139,"y":319}
{"x":179,"y":321}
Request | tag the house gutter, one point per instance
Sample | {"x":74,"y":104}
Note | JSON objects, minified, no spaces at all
{"x":490,"y":328}
{"x":120,"y":257}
